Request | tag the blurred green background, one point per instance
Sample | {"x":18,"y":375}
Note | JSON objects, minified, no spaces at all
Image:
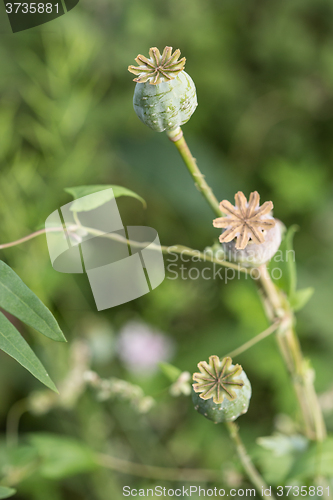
{"x":264,"y":78}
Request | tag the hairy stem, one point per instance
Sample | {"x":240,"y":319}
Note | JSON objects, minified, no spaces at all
{"x":252,"y":473}
{"x":176,"y":136}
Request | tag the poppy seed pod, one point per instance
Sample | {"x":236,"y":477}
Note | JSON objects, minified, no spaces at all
{"x":222,"y":391}
{"x":165,"y":95}
{"x":254,"y":254}
{"x":250,"y":236}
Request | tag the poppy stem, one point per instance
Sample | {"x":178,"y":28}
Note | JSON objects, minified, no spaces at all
{"x":176,"y":136}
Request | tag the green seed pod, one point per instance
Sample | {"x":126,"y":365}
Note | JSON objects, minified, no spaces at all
{"x":164,"y":96}
{"x":222,"y":391}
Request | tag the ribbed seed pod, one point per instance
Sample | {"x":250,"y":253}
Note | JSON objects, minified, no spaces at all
{"x":222,"y":391}
{"x":165,"y":95}
{"x":256,"y":254}
{"x":250,"y":236}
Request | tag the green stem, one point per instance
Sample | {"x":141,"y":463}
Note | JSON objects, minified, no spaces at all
{"x":252,"y":473}
{"x":302,"y":375}
{"x":176,"y":136}
{"x":271,"y":329}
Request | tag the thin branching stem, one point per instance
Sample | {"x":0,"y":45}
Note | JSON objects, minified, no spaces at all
{"x":30,"y":237}
{"x":179,"y":249}
{"x":252,"y":473}
{"x":271,"y":329}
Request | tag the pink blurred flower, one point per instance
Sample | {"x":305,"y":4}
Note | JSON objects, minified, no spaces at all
{"x":141,"y":347}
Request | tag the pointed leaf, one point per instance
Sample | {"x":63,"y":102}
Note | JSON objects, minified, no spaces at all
{"x":6,"y":492}
{"x":82,"y":204}
{"x":17,"y":299}
{"x":301,"y":298}
{"x":12,"y":342}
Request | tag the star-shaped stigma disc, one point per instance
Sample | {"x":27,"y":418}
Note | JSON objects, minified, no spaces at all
{"x":158,"y":68}
{"x":244,"y":221}
{"x":217,"y":379}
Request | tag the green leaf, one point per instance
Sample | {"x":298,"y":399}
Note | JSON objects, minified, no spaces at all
{"x":62,"y":456}
{"x":301,"y":298}
{"x":285,"y":261}
{"x":17,"y":299}
{"x":170,"y":371}
{"x":287,"y":277}
{"x":12,"y":342}
{"x":84,"y":205}
{"x":6,"y":492}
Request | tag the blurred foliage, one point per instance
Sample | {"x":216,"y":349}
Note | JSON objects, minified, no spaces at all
{"x":264,"y":77}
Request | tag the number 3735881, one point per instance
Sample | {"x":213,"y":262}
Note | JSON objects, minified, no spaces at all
{"x":31,"y":8}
